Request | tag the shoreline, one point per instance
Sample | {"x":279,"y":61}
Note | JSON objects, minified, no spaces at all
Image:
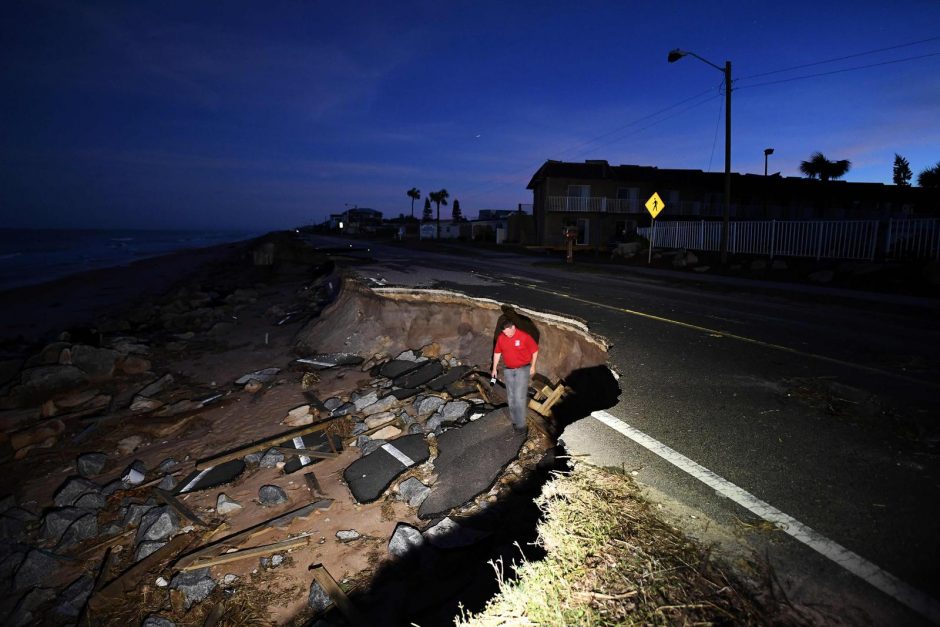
{"x":33,"y":313}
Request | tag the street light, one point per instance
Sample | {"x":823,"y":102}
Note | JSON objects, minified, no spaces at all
{"x":767,"y":153}
{"x":674,"y":56}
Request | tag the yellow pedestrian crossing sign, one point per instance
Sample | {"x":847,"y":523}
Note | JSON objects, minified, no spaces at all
{"x":654,"y":205}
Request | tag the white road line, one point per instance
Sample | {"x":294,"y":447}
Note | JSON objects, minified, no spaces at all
{"x":394,"y":452}
{"x":855,"y":564}
{"x":189,"y":486}
{"x":299,"y":445}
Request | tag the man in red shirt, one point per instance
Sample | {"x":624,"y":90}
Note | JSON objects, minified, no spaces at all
{"x":519,"y":352}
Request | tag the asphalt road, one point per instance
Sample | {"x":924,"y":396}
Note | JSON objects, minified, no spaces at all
{"x":823,"y":407}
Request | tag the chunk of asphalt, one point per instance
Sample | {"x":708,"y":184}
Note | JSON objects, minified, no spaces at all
{"x":403,"y":393}
{"x":469,"y":460}
{"x":427,"y":371}
{"x":459,"y":389}
{"x":449,"y":534}
{"x":332,"y":403}
{"x":212,"y":477}
{"x":369,"y":476}
{"x":439,"y":384}
{"x":266,"y":375}
{"x":398,"y":367}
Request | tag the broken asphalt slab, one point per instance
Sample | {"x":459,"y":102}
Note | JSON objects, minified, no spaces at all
{"x":212,"y":477}
{"x":469,"y":460}
{"x":369,"y":476}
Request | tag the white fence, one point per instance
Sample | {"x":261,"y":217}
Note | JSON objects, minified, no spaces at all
{"x":820,"y":239}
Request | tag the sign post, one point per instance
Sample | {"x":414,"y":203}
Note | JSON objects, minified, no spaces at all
{"x":654,"y":205}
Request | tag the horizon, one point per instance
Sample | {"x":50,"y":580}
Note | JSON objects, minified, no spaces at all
{"x":194,"y":118}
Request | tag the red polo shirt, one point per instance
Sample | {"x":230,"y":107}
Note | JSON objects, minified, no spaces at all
{"x":516,"y":350}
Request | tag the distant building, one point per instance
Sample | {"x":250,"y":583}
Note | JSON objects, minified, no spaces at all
{"x":356,"y":220}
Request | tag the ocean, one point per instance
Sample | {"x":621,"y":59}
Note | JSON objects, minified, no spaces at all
{"x":30,"y":257}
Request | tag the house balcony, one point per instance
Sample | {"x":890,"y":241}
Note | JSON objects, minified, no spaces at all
{"x":593,"y":204}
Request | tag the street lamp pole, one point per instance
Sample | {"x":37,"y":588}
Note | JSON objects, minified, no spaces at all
{"x":674,"y":56}
{"x":767,"y":153}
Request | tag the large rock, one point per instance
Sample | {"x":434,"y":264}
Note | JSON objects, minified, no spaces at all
{"x":73,"y":489}
{"x":97,"y":363}
{"x":44,"y":382}
{"x":404,"y":540}
{"x":156,"y":387}
{"x":454,"y":411}
{"x":157,"y":621}
{"x":91,"y":464}
{"x":413,"y":492}
{"x":84,"y":528}
{"x":194,"y":584}
{"x":157,"y":525}
{"x":271,"y":458}
{"x":382,"y":405}
{"x":25,"y":612}
{"x":225,"y":505}
{"x":449,"y":534}
{"x":57,"y":521}
{"x":428,"y":405}
{"x":35,"y":569}
{"x":270,"y":495}
{"x":317,"y":599}
{"x":73,"y":598}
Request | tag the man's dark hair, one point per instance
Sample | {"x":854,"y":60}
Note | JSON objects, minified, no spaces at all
{"x":506,"y":323}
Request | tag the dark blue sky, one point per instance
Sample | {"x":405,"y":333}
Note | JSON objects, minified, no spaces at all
{"x":275,"y":114}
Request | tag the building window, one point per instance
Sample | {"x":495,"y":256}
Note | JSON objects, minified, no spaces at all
{"x":579,"y":191}
{"x":583,"y":232}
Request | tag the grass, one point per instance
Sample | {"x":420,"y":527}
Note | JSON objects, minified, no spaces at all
{"x":611,"y":561}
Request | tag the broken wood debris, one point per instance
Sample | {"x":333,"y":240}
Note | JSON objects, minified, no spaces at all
{"x":283,"y":545}
{"x":177,"y":505}
{"x":329,"y":585}
{"x":265,"y":444}
{"x":303,"y":452}
{"x":546,"y":397}
{"x":240,"y":537}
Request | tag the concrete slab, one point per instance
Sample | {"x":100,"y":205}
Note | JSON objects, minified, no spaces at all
{"x":469,"y":460}
{"x":211,"y":477}
{"x":438,"y":384}
{"x":369,"y":476}
{"x":427,"y":371}
{"x":398,"y":367}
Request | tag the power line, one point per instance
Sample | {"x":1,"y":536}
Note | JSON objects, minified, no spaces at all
{"x":848,"y":69}
{"x":851,"y":56}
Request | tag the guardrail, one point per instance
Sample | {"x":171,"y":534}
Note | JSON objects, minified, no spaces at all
{"x":819,"y":239}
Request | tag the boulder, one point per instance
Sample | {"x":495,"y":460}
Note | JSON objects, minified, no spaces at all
{"x":25,"y":612}
{"x":384,"y":404}
{"x":453,"y":411}
{"x":97,"y":363}
{"x":84,"y":528}
{"x":72,"y":599}
{"x":387,"y":433}
{"x":413,"y":492}
{"x":404,"y":540}
{"x":154,"y":388}
{"x":225,"y":505}
{"x":270,"y":495}
{"x":57,"y":521}
{"x":158,"y":525}
{"x":365,"y":400}
{"x":317,"y":599}
{"x":46,"y":381}
{"x":35,"y":569}
{"x":378,"y":419}
{"x":271,"y":458}
{"x":195,"y":585}
{"x":428,"y":405}
{"x":134,"y":512}
{"x":91,"y":464}
{"x":134,"y":474}
{"x":72,"y":489}
{"x":347,"y":535}
{"x":147,"y":548}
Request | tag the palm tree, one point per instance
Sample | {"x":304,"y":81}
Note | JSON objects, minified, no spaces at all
{"x":414,"y":194}
{"x":930,"y":177}
{"x":823,"y":169}
{"x":439,"y":198}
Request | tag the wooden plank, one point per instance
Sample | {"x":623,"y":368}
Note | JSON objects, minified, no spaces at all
{"x":181,"y":509}
{"x":243,"y":536}
{"x":262,"y":445}
{"x":312,"y":484}
{"x":257,"y":551}
{"x":303,"y":452}
{"x":329,"y":585}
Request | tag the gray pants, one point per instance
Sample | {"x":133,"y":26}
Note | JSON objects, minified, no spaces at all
{"x":517,"y":389}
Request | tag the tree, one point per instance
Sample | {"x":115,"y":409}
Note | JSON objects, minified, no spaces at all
{"x":457,"y":215}
{"x":427,"y":210}
{"x":439,"y":198}
{"x":930,"y":177}
{"x":902,"y":171}
{"x":414,"y":194}
{"x":823,"y":169}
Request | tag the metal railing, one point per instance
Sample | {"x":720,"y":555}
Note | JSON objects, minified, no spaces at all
{"x":596,"y":204}
{"x":830,"y":239}
{"x":917,"y":238}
